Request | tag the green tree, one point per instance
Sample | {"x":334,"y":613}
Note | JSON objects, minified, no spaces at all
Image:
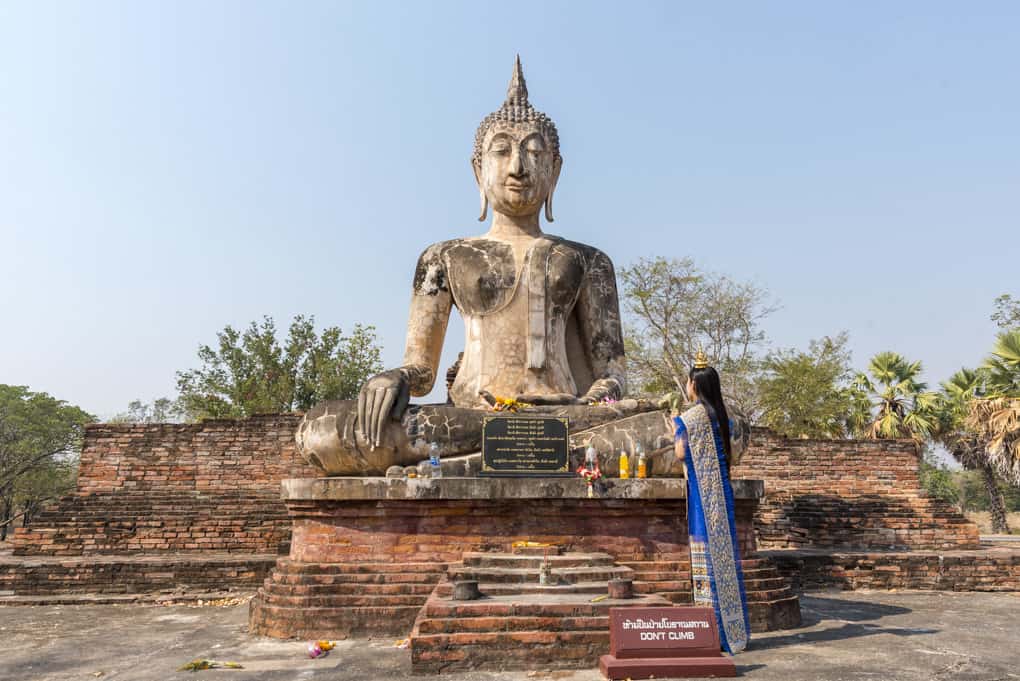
{"x":953,"y":431}
{"x":38,"y":435}
{"x":674,"y":308}
{"x":996,"y":417}
{"x":900,"y":404}
{"x":1007,"y":312}
{"x":937,"y":480}
{"x":250,"y":372}
{"x":807,"y":394}
{"x":160,"y":410}
{"x":51,"y":480}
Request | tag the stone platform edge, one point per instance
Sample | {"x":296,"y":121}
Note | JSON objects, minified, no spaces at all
{"x":377,"y":488}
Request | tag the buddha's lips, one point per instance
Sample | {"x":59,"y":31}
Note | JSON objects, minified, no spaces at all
{"x":516,"y":187}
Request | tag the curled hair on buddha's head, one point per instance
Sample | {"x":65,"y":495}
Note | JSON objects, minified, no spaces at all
{"x":708,"y":388}
{"x":517,"y":109}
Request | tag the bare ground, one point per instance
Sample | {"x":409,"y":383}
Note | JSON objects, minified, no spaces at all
{"x":884,"y":636}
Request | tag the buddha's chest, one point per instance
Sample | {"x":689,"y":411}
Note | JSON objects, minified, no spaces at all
{"x":485,"y":276}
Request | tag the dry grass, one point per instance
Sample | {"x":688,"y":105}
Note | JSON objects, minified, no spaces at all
{"x":984,"y":522}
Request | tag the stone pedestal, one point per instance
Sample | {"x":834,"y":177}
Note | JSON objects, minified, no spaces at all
{"x":366,"y":553}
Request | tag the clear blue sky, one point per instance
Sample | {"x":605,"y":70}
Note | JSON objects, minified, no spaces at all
{"x":168,"y":168}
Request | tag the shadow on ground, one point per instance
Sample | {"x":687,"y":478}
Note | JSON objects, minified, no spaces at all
{"x":856,"y":618}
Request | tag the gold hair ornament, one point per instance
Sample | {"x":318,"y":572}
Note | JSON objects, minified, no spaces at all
{"x":700,"y":359}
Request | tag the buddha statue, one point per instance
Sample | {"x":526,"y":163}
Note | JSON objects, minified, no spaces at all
{"x":541,"y":317}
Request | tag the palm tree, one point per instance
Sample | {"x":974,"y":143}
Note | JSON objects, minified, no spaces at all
{"x":901,"y":406}
{"x":963,"y":442}
{"x":996,"y":417}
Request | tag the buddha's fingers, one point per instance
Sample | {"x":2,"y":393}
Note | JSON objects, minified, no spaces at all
{"x":390,"y":396}
{"x":362,"y":398}
{"x":378,"y":397}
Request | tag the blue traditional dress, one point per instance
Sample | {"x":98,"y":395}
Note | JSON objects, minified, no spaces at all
{"x":715,"y":554}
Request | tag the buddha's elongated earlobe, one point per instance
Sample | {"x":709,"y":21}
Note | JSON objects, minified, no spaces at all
{"x":481,"y":193}
{"x":552,"y":190}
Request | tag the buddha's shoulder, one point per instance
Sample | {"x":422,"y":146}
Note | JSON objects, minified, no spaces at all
{"x":441,"y":251}
{"x":590,"y":254}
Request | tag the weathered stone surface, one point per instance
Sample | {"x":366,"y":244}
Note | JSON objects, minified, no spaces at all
{"x":541,"y":313}
{"x":495,"y":489}
{"x":329,"y":439}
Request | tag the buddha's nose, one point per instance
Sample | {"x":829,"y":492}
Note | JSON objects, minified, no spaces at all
{"x":516,"y":164}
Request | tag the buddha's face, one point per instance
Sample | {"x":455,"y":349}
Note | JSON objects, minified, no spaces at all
{"x":518,"y":170}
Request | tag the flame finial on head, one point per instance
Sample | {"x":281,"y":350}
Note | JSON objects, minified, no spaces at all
{"x":517,"y":109}
{"x":701,"y":359}
{"x":517,"y":91}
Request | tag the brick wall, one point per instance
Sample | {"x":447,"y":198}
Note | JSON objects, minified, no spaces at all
{"x":862,"y":494}
{"x":167,"y":488}
{"x":213,"y":457}
{"x":214,"y":486}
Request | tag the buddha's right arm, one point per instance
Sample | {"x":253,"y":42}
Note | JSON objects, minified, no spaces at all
{"x":431,"y":302}
{"x":385,"y":396}
{"x":426,"y":329}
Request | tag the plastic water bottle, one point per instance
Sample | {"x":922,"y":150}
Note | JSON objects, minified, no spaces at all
{"x":434,"y":461}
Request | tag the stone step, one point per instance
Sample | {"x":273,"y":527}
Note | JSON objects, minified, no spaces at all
{"x":507,"y":651}
{"x":526,"y":575}
{"x":643,"y":587}
{"x":781,"y":613}
{"x":576,"y":605}
{"x":281,"y":621}
{"x":662,"y":576}
{"x":507,"y":624}
{"x":770,"y":583}
{"x":348,"y":589}
{"x":358,"y":579}
{"x":445,"y":589}
{"x":287,"y":566}
{"x":671,"y":575}
{"x":538,"y":550}
{"x":677,"y":597}
{"x":517,"y":561}
{"x":767,"y":596}
{"x":342,"y":601}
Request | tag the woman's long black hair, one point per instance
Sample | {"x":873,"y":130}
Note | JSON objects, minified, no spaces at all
{"x":709,"y":390}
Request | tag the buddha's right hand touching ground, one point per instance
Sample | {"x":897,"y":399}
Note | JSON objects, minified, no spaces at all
{"x":383,"y":396}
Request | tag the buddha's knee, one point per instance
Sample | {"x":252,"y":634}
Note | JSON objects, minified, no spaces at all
{"x":326,"y":434}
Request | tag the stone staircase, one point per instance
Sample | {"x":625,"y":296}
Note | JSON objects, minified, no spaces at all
{"x":341,"y":600}
{"x":71,"y":579}
{"x":520,"y":623}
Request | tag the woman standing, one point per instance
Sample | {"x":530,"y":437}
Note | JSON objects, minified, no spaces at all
{"x":704,"y":433}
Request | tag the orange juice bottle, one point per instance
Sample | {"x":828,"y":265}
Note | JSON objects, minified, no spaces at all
{"x":624,"y":465}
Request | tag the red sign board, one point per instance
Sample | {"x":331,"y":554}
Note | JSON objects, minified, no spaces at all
{"x":663,"y":632}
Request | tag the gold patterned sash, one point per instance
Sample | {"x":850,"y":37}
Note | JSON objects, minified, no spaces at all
{"x":722,"y":553}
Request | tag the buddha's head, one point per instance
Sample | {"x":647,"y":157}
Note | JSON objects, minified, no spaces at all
{"x":517,"y":155}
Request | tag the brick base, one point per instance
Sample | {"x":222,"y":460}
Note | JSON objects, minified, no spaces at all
{"x":140,"y":574}
{"x":379,"y":568}
{"x":989,"y":569}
